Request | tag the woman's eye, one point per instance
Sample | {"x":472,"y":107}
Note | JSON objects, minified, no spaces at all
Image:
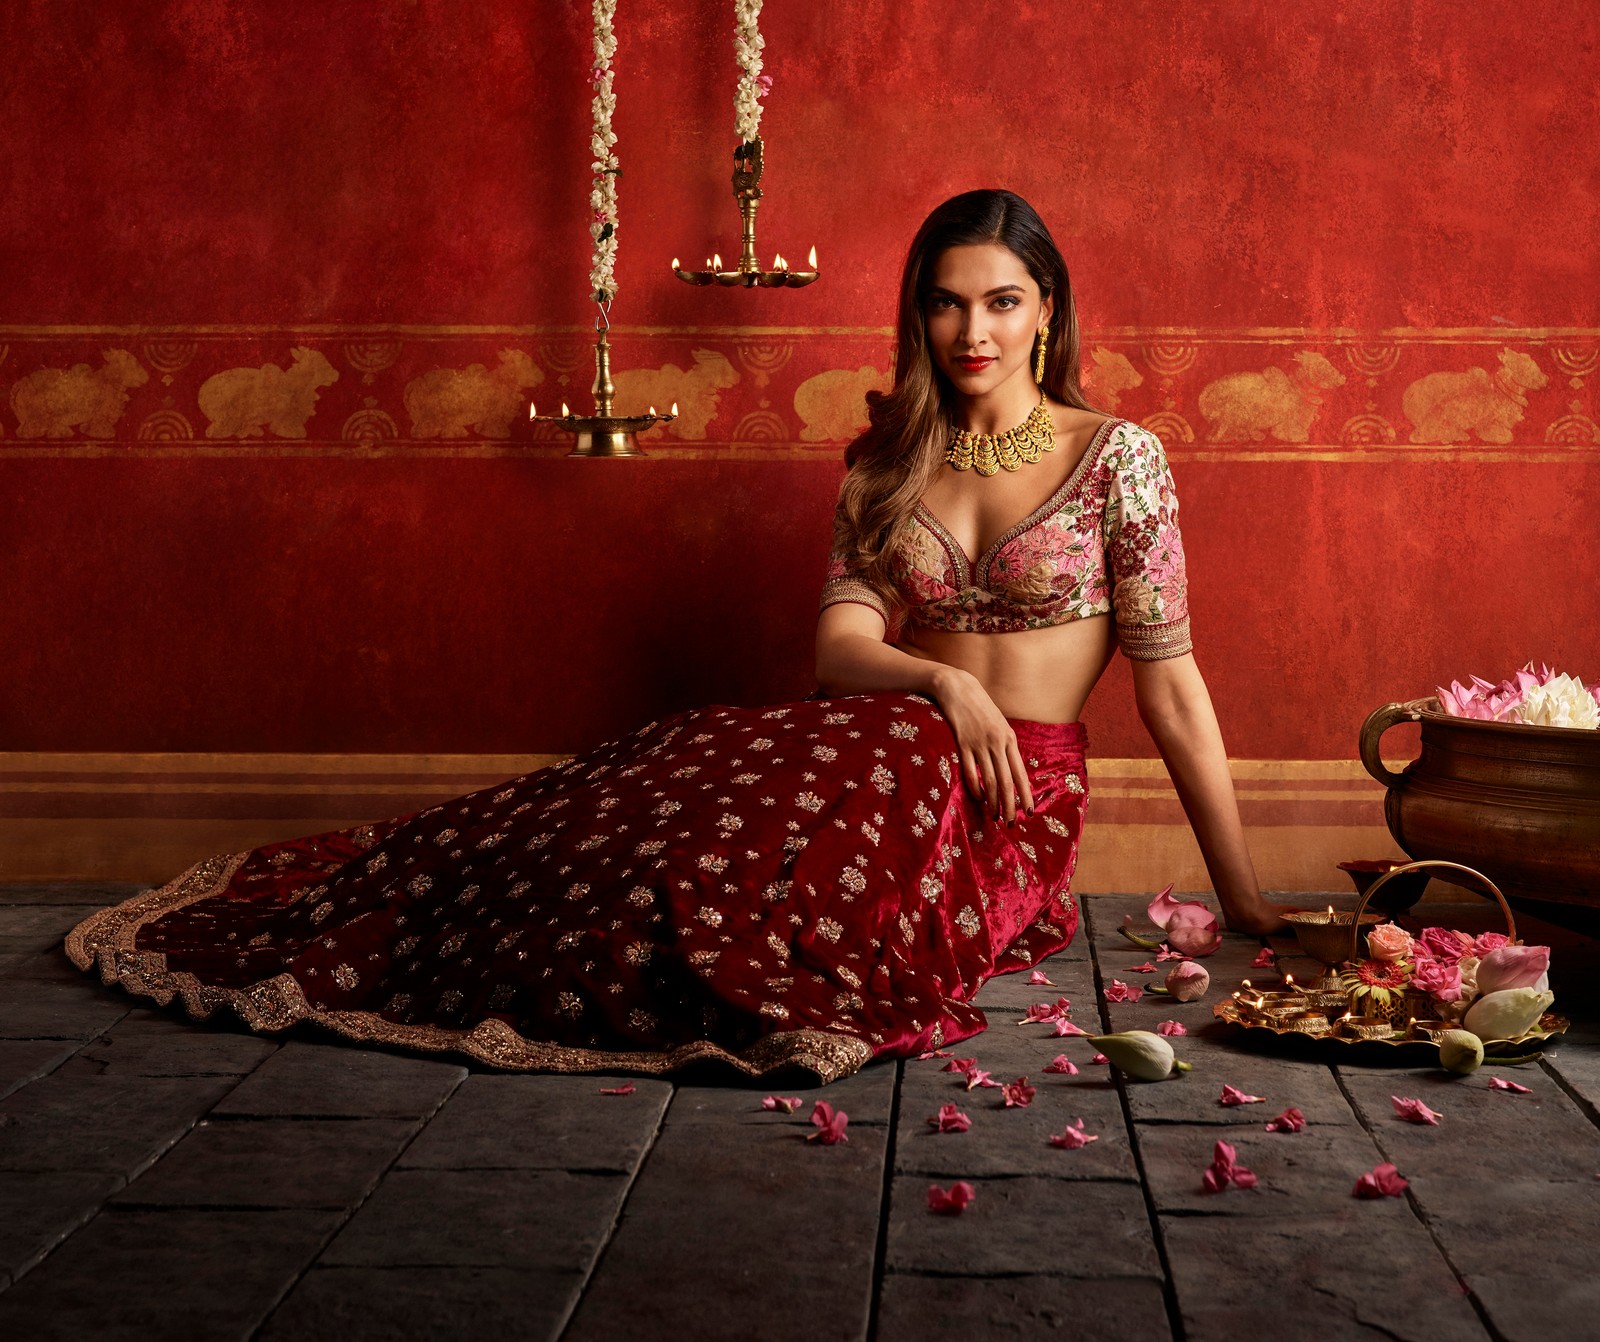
{"x":1007,"y":303}
{"x":939,"y":304}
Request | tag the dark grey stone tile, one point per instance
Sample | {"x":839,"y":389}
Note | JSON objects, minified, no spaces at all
{"x":1195,"y":1096}
{"x":25,"y":1060}
{"x":540,"y":1221}
{"x":1362,"y":1276}
{"x":143,"y":1275}
{"x":1083,"y":1229}
{"x":78,"y":1008}
{"x":866,"y":1096}
{"x":338,"y":1081}
{"x":41,"y":925}
{"x":541,"y":1122}
{"x":273,"y":1163}
{"x":39,"y":1210}
{"x":76,"y":1119}
{"x":149,"y":1043}
{"x":1564,"y":1305}
{"x":443,"y":1304}
{"x":91,"y":894}
{"x":915,"y":1308}
{"x":739,"y":1231}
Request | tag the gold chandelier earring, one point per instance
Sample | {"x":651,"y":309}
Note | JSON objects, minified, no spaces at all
{"x":1038,"y":360}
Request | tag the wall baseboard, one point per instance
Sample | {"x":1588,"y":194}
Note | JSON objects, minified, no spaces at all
{"x":145,"y":817}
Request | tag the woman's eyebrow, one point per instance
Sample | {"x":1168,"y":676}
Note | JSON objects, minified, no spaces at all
{"x":1003,"y":289}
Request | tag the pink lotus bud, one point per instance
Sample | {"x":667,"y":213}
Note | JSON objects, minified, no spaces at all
{"x":1514,"y":967}
{"x":1188,"y":981}
{"x":1194,"y":937}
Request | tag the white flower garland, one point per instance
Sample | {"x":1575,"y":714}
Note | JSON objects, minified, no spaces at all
{"x":603,"y":194}
{"x":753,"y":85}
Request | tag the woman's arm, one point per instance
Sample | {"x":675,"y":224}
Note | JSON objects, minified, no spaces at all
{"x":852,"y":658}
{"x":1176,"y":709}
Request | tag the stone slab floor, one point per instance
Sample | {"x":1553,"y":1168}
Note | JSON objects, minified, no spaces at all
{"x":160,"y":1178}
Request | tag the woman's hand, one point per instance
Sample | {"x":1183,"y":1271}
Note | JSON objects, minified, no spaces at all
{"x":991,"y":763}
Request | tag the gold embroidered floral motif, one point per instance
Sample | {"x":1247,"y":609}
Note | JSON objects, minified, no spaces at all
{"x":827,"y":754}
{"x":637,"y":952}
{"x":649,"y":848}
{"x":577,"y":890}
{"x":569,"y":940}
{"x":777,"y":890}
{"x":967,"y":920}
{"x":377,"y":864}
{"x":827,"y":927}
{"x":1074,"y":783}
{"x":569,"y":1004}
{"x":837,"y":719}
{"x":504,"y":944}
{"x":709,"y":916}
{"x":1056,"y":827}
{"x":502,"y":996}
{"x":346,"y":978}
{"x":444,"y":836}
{"x":641,"y":896}
{"x":907,"y":935}
{"x":420,"y":885}
{"x":775,"y":1010}
{"x":643,"y":1021}
{"x":882,"y":779}
{"x":321,"y":912}
{"x":701,"y":959}
{"x":450,"y":1002}
{"x":450,"y":945}
{"x":710,"y":862}
{"x":809,"y":801}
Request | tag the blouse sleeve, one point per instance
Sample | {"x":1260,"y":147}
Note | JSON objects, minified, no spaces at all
{"x":840,"y":583}
{"x":1144,"y":551}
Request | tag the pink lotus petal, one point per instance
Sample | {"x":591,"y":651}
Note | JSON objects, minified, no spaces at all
{"x":1148,"y":967}
{"x":1162,"y":907}
{"x":1500,"y":1083}
{"x":1062,"y":1065}
{"x":1243,"y":1178}
{"x":1225,"y":1168}
{"x":1118,"y":991}
{"x":626,"y":1088}
{"x":1223,"y":1155}
{"x":976,"y":1077}
{"x":1213,"y":1180}
{"x":1290,"y":1120}
{"x":1074,"y":1138}
{"x":787,"y":1103}
{"x":1383,"y":1181}
{"x":1098,"y":1059}
{"x":1266,"y":957}
{"x":830,"y":1124}
{"x":1414,"y":1110}
{"x":933,"y":1053}
{"x":1232,"y":1095}
{"x":1039,"y":978}
{"x":959,"y":1065}
{"x":1172,"y":1028}
{"x":950,"y":1119}
{"x":1065,"y":1029}
{"x":953,"y":1201}
{"x":1019,"y":1094}
{"x":1195,"y":940}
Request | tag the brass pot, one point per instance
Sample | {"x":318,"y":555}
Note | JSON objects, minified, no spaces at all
{"x":1520,"y":804}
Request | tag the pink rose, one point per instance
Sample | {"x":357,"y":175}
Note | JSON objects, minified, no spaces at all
{"x":1388,"y":942}
{"x":1514,"y":967}
{"x":1443,"y":944}
{"x":1490,"y":941}
{"x":1437,"y":979}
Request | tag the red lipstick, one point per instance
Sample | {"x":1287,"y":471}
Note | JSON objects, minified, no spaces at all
{"x":972,"y":363}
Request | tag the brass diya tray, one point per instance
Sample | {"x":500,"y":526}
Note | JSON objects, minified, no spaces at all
{"x":1525,"y":1048}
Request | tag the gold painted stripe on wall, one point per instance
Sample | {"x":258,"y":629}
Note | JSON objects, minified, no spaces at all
{"x":146,"y":816}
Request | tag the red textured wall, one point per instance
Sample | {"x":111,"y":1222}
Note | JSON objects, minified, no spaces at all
{"x":1400,"y":190}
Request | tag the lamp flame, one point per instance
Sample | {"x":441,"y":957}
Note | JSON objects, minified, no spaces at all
{"x":564,"y":411}
{"x":716,"y":260}
{"x":675,"y":263}
{"x":674,"y":409}
{"x":533,"y":410}
{"x":813,"y":258}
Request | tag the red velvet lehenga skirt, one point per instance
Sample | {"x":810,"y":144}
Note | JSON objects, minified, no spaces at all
{"x":805,"y":885}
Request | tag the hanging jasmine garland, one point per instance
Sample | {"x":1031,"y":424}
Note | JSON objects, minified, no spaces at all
{"x":603,"y":194}
{"x":748,"y":45}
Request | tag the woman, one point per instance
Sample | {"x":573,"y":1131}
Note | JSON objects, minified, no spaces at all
{"x":811,"y":884}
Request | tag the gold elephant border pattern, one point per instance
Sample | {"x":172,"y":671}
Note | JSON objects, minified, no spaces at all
{"x":756,"y":393}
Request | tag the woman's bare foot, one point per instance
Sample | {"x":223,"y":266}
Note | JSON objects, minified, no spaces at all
{"x":1259,"y":918}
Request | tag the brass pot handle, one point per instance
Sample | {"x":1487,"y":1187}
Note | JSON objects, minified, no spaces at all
{"x":1378,"y":722}
{"x":1431,"y":864}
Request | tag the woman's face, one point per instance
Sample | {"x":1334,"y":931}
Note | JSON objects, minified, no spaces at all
{"x":983,"y":314}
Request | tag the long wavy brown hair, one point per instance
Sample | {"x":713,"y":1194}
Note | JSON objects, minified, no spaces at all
{"x":895,"y":460}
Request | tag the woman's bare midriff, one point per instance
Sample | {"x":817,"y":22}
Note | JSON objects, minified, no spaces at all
{"x":1039,"y":675}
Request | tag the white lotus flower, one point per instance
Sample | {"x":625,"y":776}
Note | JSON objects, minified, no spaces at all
{"x":1562,"y":701}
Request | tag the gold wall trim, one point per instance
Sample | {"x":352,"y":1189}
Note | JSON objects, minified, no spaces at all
{"x":144,"y":816}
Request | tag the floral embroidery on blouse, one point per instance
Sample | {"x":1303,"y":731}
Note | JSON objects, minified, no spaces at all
{"x":1106,"y":542}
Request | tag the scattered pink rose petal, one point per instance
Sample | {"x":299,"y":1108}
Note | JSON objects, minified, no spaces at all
{"x":1225,"y":1169}
{"x":1074,"y":1138}
{"x":1382,"y":1182}
{"x":1167,"y":953}
{"x":1098,"y":1059}
{"x":1118,"y":991}
{"x":1062,"y":1065}
{"x":1500,"y":1083}
{"x":950,"y":1119}
{"x":1065,"y":1028}
{"x":1290,"y":1120}
{"x":1414,"y":1110}
{"x":933,"y":1053}
{"x":787,"y":1103}
{"x":626,"y":1088}
{"x":1039,"y":977}
{"x":977,"y":1077}
{"x":1232,"y":1095}
{"x":959,"y":1065}
{"x":1148,"y":967}
{"x":1019,"y":1094}
{"x":953,"y":1201}
{"x":1040,"y":1013}
{"x":1266,"y":957}
{"x":830,"y":1124}
{"x":1172,"y":1027}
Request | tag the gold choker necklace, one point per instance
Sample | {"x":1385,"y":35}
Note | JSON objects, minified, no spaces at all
{"x":988,"y":452}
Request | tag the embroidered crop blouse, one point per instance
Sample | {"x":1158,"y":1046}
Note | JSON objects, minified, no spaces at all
{"x":1106,"y":541}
